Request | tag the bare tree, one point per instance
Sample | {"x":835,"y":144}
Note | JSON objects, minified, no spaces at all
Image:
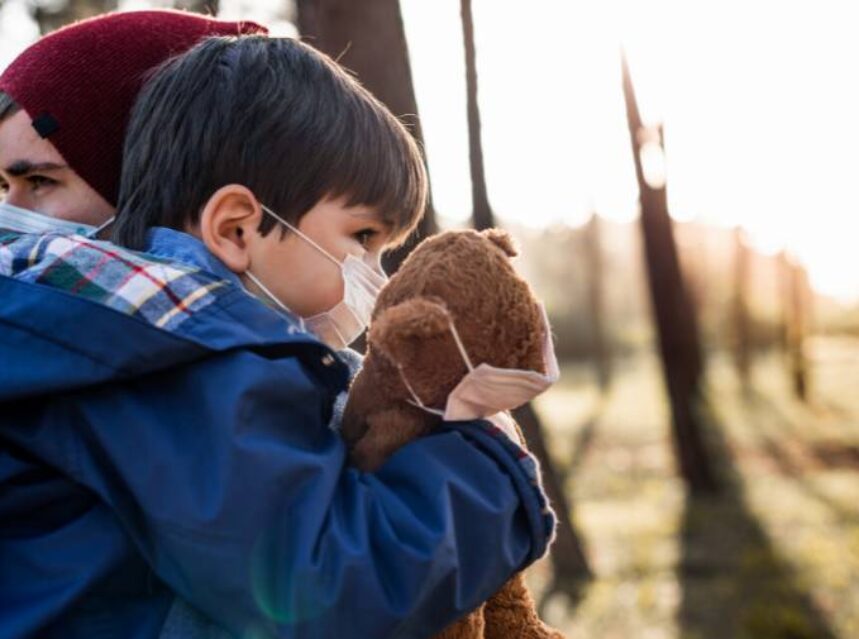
{"x":368,"y":38}
{"x":673,"y":311}
{"x":600,"y":346}
{"x":568,"y":558}
{"x":741,"y":320}
{"x":481,"y":212}
{"x":53,"y":14}
{"x":205,"y":7}
{"x":796,"y":299}
{"x":569,"y":562}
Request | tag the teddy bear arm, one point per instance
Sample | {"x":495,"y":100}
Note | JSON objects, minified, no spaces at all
{"x":511,"y":612}
{"x":387,"y":431}
{"x":471,"y":626}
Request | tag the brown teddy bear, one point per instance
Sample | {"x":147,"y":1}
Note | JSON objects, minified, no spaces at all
{"x":456,"y":297}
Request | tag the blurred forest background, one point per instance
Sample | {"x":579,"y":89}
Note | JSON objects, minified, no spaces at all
{"x":685,"y":205}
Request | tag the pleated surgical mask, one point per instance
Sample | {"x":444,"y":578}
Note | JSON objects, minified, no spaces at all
{"x":14,"y":218}
{"x":342,"y":324}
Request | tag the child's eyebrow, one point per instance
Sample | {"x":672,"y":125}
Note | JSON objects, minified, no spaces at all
{"x":373,"y":216}
{"x":20,"y":168}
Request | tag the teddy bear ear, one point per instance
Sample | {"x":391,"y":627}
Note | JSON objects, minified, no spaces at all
{"x":503,"y":240}
{"x":397,"y":332}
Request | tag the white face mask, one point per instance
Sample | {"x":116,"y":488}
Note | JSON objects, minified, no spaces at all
{"x":362,"y":280}
{"x":14,"y":218}
{"x":487,"y":391}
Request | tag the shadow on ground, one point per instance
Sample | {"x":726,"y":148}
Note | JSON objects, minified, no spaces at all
{"x":571,"y":581}
{"x":734,"y":584}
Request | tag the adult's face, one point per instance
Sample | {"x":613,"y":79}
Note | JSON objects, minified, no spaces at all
{"x":34,"y":176}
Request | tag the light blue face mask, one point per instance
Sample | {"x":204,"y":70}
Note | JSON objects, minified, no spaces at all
{"x":14,"y":218}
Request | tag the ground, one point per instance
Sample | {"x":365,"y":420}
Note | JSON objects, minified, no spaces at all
{"x":776,"y":556}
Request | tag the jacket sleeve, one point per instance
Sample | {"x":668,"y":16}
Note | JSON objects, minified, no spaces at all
{"x":227,"y":478}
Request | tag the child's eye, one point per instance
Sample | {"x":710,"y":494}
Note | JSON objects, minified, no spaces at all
{"x":4,"y":188}
{"x":40,"y":182}
{"x":365,"y":236}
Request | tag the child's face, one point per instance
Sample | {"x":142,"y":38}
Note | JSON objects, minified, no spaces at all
{"x":299,"y":275}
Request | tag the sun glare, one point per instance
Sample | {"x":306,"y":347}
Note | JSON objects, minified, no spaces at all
{"x":758,"y":132}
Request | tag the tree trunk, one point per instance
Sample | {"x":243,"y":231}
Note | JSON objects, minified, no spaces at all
{"x":204,"y":7}
{"x":600,"y":346}
{"x":568,"y":559}
{"x":741,"y":328}
{"x":51,"y":16}
{"x":480,"y":210}
{"x":367,"y":38}
{"x":795,"y":296}
{"x":675,"y":320}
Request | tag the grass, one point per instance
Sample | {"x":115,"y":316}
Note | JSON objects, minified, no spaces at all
{"x":775,"y":557}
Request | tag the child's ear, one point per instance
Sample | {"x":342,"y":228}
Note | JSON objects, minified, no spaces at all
{"x":228,"y":224}
{"x":399,"y":331}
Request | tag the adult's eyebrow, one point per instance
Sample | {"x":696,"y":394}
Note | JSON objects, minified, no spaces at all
{"x":20,"y":168}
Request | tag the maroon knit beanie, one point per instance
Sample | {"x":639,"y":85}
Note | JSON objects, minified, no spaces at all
{"x":79,"y":83}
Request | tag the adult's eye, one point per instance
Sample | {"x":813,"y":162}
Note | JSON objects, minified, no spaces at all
{"x":40,"y":182}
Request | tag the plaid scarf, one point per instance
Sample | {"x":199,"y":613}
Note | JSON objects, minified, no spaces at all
{"x":160,"y":292}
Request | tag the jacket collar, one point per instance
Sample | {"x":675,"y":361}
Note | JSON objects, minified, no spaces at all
{"x":177,"y":246}
{"x":58,"y":340}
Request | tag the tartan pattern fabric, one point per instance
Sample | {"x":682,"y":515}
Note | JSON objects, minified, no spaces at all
{"x":160,"y":292}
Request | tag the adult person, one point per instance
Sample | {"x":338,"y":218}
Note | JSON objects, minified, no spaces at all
{"x":64,"y":108}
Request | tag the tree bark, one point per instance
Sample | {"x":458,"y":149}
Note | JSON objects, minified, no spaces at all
{"x":368,"y":38}
{"x":568,"y":558}
{"x":676,"y":326}
{"x":569,"y":562}
{"x":742,"y":332}
{"x":600,"y":345}
{"x":796,"y":297}
{"x":51,"y":16}
{"x":204,"y":7}
{"x":481,"y":211}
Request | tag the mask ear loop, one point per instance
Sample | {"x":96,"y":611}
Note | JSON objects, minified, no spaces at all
{"x":417,"y":400}
{"x":94,"y":233}
{"x":274,"y":299}
{"x":460,"y":346}
{"x":302,"y":235}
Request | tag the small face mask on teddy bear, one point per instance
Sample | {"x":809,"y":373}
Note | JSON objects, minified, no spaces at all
{"x":486,"y":391}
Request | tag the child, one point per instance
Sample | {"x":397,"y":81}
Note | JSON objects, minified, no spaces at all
{"x":164,"y":433}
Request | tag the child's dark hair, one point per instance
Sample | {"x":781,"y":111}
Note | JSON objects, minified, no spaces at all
{"x":274,"y":115}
